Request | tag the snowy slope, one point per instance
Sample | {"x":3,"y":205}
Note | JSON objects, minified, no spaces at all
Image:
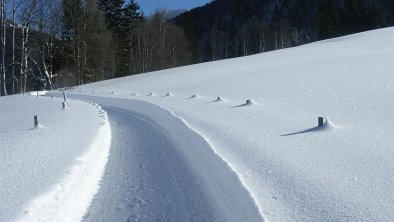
{"x":50,"y":173}
{"x":293,"y":171}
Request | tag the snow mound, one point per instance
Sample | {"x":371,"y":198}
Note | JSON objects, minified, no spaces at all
{"x":219,"y":99}
{"x":39,"y":126}
{"x":327,"y":126}
{"x":169,"y":94}
{"x":194,"y":97}
{"x":248,"y":102}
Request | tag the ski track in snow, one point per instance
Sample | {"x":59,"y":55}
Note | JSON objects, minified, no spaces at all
{"x":161,"y":170}
{"x":144,"y":180}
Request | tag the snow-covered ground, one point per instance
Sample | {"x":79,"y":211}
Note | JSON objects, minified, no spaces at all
{"x":50,"y":173}
{"x":234,"y":140}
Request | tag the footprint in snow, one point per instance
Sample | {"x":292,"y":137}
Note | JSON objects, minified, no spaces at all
{"x":135,"y":202}
{"x":115,"y":123}
{"x":134,"y":218}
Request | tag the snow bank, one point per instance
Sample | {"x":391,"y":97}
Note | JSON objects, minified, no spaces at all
{"x":50,"y":173}
{"x":70,"y":199}
{"x":37,"y":93}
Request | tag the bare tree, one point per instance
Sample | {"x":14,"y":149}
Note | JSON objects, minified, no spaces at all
{"x":49,"y":23}
{"x":158,"y":45}
{"x":29,"y":7}
{"x":15,"y":6}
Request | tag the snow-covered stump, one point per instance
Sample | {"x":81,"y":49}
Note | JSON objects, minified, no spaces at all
{"x":320,"y":121}
{"x":36,"y":121}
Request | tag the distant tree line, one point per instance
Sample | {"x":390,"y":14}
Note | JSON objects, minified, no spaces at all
{"x":47,"y":44}
{"x":231,"y":28}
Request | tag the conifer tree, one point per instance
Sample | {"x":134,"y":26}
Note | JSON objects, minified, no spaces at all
{"x":73,"y":31}
{"x":329,"y":21}
{"x":122,"y":19}
{"x":99,"y":44}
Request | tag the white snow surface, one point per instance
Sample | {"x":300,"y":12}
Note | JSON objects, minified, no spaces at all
{"x":264,"y":125}
{"x":233,"y":140}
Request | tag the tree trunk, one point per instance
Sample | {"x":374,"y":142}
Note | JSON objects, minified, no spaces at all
{"x":13,"y":45}
{"x":3,"y":27}
{"x":26,"y":57}
{"x":22,"y":62}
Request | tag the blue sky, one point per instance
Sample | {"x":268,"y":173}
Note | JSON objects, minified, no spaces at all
{"x":149,"y":6}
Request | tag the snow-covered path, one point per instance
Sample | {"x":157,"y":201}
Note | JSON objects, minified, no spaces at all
{"x":145,"y":180}
{"x":161,"y":170}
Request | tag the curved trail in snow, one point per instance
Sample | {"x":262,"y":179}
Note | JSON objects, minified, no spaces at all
{"x":144,"y":180}
{"x":161,"y":170}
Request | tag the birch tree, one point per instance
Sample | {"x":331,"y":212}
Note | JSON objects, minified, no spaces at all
{"x":158,"y":45}
{"x":15,"y":5}
{"x":29,"y":7}
{"x":49,"y":21}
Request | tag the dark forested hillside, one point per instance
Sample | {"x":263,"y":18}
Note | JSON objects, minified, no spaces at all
{"x":230,"y":28}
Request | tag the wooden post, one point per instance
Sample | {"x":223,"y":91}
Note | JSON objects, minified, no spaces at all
{"x":64,"y":96}
{"x":320,"y":121}
{"x":36,"y":121}
{"x":64,"y":105}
